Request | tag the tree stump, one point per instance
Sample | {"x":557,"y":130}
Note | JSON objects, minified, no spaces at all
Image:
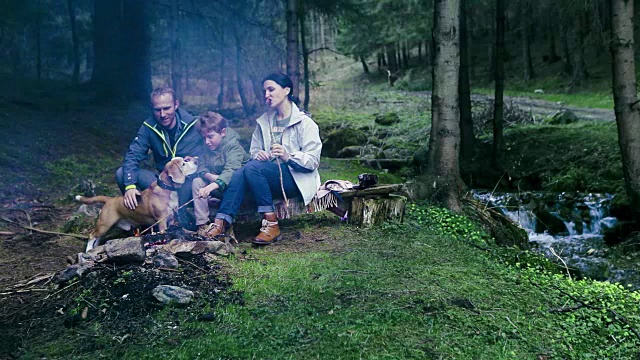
{"x":375,"y":210}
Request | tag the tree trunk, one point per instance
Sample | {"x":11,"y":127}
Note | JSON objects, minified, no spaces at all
{"x":553,"y":54}
{"x":305,"y":62}
{"x":176,"y":66}
{"x":76,"y":42}
{"x":442,"y":183}
{"x":293,"y":68}
{"x":243,"y":98}
{"x":38,"y":42}
{"x":526,"y":41}
{"x":566,"y":53}
{"x":419,"y":51}
{"x":222,"y":65}
{"x":405,"y":55}
{"x":625,"y":98}
{"x":498,"y":107}
{"x":122,"y":66}
{"x":580,"y":68}
{"x":467,"y":137}
{"x":365,"y":67}
{"x":391,"y":58}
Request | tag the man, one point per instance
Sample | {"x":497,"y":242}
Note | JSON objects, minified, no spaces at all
{"x":168,"y":133}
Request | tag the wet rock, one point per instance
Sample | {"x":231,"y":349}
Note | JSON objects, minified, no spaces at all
{"x":125,"y":251}
{"x":168,"y":294}
{"x":548,"y":222}
{"x":387,"y":119}
{"x":165,"y":260}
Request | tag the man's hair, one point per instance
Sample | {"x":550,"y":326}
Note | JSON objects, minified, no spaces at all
{"x":211,"y":121}
{"x":161,"y":91}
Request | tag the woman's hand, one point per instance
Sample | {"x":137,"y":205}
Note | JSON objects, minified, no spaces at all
{"x":278,"y":150}
{"x":262,"y":155}
{"x":205,"y":191}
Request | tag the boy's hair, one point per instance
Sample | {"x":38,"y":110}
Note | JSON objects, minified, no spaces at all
{"x":212,"y":121}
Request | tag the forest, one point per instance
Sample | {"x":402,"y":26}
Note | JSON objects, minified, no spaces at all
{"x":504,"y":137}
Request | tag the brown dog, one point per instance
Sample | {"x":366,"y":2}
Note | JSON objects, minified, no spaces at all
{"x":156,"y":203}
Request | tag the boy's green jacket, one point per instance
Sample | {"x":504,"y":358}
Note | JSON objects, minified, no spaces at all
{"x":224,"y":160}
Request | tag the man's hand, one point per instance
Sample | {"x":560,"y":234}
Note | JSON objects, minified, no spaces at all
{"x":262,"y":155}
{"x":205,"y":191}
{"x":279,"y":151}
{"x":130,"y":200}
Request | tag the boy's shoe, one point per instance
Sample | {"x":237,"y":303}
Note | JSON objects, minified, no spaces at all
{"x":217,"y":227}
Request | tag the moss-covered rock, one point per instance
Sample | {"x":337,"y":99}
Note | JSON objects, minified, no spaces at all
{"x":563,"y":117}
{"x":339,"y":139}
{"x":387,"y":119}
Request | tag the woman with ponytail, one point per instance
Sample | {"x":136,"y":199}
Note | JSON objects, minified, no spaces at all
{"x":285,"y":155}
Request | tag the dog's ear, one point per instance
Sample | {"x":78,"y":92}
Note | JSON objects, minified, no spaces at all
{"x":175,"y":170}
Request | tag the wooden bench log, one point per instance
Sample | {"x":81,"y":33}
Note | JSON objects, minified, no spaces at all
{"x":366,"y":207}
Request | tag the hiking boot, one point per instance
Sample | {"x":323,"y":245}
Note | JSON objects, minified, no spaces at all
{"x":269,"y":232}
{"x":217,"y":227}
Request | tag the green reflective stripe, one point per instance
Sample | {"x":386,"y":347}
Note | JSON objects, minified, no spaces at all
{"x":165,"y":146}
{"x":184,"y":132}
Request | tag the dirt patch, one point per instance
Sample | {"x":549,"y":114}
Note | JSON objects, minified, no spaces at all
{"x":115,"y":305}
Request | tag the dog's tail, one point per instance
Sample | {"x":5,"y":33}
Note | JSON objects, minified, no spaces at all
{"x":92,"y":200}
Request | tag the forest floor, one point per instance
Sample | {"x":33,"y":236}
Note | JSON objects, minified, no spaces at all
{"x":327,"y":290}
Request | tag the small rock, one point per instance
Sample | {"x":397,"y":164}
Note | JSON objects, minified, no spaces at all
{"x":167,"y":294}
{"x":538,"y":91}
{"x":125,"y":251}
{"x":179,"y":246}
{"x":72,"y":271}
{"x":165,"y":260}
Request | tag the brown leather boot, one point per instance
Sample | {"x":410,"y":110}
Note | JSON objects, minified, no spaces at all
{"x":269,"y":232}
{"x":217,"y":227}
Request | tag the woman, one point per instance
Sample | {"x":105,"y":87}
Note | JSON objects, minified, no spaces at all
{"x":285,"y":155}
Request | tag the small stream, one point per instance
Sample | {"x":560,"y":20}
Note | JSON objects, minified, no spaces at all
{"x":569,"y":225}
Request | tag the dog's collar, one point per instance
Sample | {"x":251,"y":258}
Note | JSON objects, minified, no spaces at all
{"x":165,"y":186}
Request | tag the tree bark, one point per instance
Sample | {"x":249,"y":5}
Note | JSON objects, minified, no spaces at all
{"x":176,"y":66}
{"x":365,"y":67}
{"x":580,"y":73}
{"x":442,"y":183}
{"x":392,"y":63}
{"x":293,"y":67}
{"x":246,"y":107}
{"x":625,"y":98}
{"x":122,"y":67}
{"x":221,"y":46}
{"x":566,"y":53}
{"x":38,"y":42}
{"x":76,"y":42}
{"x":305,"y":62}
{"x":467,"y":138}
{"x":498,"y":106}
{"x":526,"y":40}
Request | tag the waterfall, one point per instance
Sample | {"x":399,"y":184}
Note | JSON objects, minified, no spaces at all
{"x":580,"y":243}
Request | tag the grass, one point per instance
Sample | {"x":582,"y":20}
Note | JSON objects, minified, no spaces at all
{"x":395,"y":292}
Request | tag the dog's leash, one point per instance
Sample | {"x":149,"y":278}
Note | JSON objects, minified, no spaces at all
{"x":164,"y":218}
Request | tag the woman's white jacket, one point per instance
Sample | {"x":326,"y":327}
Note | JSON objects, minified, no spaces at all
{"x":301,"y":139}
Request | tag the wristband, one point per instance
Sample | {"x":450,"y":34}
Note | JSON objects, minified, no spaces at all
{"x":128,"y":187}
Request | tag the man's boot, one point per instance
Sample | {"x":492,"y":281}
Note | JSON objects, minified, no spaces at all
{"x":269,"y":232}
{"x":217,"y":227}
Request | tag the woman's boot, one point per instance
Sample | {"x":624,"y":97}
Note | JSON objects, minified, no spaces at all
{"x":269,"y":232}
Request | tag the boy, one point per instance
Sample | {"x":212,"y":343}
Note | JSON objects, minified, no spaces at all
{"x":222,"y":157}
